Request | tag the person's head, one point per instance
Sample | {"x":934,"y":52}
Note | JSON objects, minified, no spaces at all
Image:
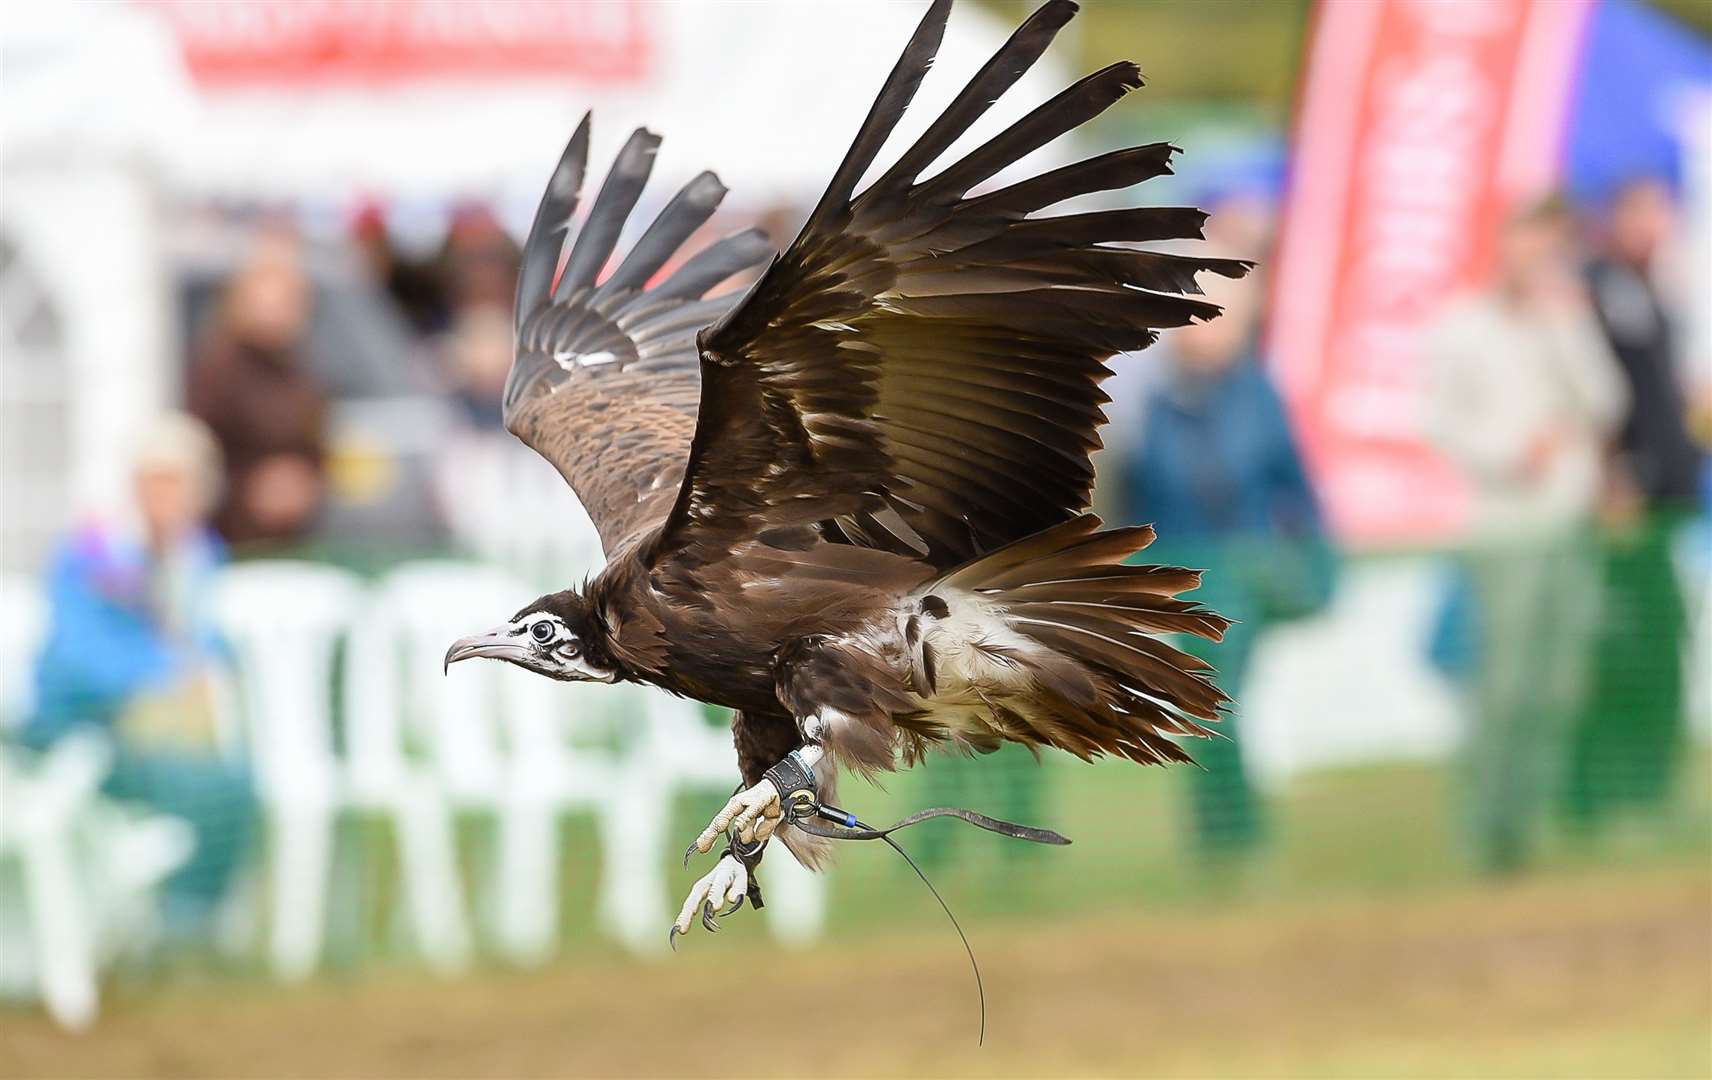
{"x":1535,"y":247}
{"x":266,"y":303}
{"x":481,"y":258}
{"x":1208,"y":348}
{"x":369,"y":237}
{"x":1642,"y":217}
{"x":1243,"y":222}
{"x":176,"y":473}
{"x":480,"y":350}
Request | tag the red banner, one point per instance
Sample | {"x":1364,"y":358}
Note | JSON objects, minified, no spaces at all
{"x":1420,"y":124}
{"x":297,"y":42}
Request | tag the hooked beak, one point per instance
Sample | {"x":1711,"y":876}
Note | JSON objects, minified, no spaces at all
{"x":498,"y":643}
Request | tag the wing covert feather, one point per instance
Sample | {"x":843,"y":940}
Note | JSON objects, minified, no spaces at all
{"x":605,"y":382}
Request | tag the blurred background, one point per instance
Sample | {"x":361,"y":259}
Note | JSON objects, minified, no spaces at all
{"x":1444,"y":456}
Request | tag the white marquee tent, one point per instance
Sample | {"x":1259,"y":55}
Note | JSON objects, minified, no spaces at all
{"x":116,"y":112}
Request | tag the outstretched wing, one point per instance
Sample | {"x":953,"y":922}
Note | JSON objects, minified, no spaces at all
{"x":920,"y":370}
{"x":605,"y":382}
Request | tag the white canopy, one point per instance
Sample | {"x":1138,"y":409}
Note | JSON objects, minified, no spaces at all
{"x":768,"y":95}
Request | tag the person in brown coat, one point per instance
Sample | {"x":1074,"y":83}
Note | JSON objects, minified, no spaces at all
{"x":250,"y":383}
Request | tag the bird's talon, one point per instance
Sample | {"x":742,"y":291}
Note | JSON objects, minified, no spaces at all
{"x":706,"y":896}
{"x":742,"y":812}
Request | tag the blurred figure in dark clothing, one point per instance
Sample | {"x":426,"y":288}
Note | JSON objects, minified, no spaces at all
{"x":251,"y":384}
{"x":1658,"y":454}
{"x":1216,"y":470}
{"x":1630,"y":734}
{"x":416,"y":286}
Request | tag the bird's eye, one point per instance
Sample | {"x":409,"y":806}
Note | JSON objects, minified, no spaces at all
{"x":542,"y":631}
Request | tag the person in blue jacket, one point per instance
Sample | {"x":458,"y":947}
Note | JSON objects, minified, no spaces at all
{"x":1212,"y":464}
{"x":130,"y":654}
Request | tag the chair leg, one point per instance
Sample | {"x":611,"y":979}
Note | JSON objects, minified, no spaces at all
{"x":301,"y":857}
{"x":633,"y":824}
{"x":60,"y":923}
{"x":429,"y":866}
{"x":528,"y":898}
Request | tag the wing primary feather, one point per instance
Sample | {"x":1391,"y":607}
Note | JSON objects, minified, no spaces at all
{"x":1134,"y":225}
{"x":996,"y":76}
{"x":612,"y":206}
{"x":688,"y":211}
{"x":552,"y":219}
{"x":883,"y":117}
{"x":712,"y":265}
{"x":1107,"y":172}
{"x":1082,"y":102}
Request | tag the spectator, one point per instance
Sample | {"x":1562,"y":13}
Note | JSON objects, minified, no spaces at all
{"x":250,"y":383}
{"x":1215,"y":468}
{"x":130,"y":653}
{"x":415,"y":286}
{"x":1628,"y":737}
{"x":479,"y":261}
{"x":478,"y":363}
{"x":1525,"y":397}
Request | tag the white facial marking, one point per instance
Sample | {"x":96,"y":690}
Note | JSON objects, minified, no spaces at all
{"x":554,"y":641}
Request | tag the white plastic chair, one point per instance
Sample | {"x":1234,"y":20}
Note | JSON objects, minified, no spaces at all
{"x":471,"y":722}
{"x":82,"y":871}
{"x":285,"y":620}
{"x":484,"y":480}
{"x":86,"y":872}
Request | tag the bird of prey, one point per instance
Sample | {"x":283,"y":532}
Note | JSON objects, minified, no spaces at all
{"x":850,"y":502}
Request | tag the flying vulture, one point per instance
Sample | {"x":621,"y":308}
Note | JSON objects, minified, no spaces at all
{"x":850,"y":502}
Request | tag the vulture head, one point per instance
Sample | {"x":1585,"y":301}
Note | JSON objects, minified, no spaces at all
{"x":555,"y":636}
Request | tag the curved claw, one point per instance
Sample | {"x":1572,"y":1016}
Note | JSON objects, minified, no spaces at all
{"x":689,"y":853}
{"x":672,"y":937}
{"x":707,"y":918}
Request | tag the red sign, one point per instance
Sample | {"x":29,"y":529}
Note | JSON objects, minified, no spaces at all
{"x":1421,"y":123}
{"x":296,"y":42}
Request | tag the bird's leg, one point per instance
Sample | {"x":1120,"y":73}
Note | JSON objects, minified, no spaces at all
{"x":729,"y":882}
{"x":748,"y":820}
{"x":754,"y":813}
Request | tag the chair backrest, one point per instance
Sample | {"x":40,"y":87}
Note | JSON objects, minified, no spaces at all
{"x":485,"y":479}
{"x":466,"y":718}
{"x":284,"y":620}
{"x":23,"y":626}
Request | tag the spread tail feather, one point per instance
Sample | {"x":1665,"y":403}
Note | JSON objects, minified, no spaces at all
{"x":1105,"y":681}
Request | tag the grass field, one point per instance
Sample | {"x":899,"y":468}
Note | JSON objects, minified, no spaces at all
{"x":1578,"y":974}
{"x":1359,"y":946}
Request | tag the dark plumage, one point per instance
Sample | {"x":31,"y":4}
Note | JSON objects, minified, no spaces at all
{"x":851,"y":503}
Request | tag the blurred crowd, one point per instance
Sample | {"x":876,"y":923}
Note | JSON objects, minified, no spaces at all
{"x":1556,"y":391}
